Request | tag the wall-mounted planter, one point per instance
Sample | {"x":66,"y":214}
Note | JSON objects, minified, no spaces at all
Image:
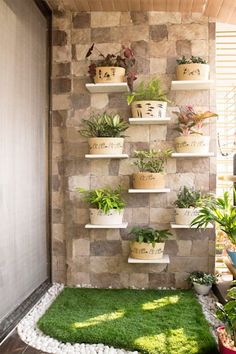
{"x":193,"y":71}
{"x":114,"y":217}
{"x":142,"y":250}
{"x":184,"y":216}
{"x":109,"y":74}
{"x":194,"y":143}
{"x":148,"y":180}
{"x":106,"y":146}
{"x":148,"y":109}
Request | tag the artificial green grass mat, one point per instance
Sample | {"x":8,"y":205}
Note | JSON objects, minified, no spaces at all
{"x":149,"y":321}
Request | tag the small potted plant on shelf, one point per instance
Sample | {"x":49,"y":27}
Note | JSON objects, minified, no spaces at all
{"x":190,"y":124}
{"x":202,"y":282}
{"x":149,"y":243}
{"x":105,"y":133}
{"x":187,"y":205}
{"x":151,"y":164}
{"x":194,"y":68}
{"x":113,"y":68}
{"x":148,"y":100}
{"x":227,"y":314}
{"x":106,"y":205}
{"x":221,"y":211}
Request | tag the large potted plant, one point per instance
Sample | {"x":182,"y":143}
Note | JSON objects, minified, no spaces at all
{"x":105,"y":133}
{"x":227,"y":314}
{"x":151,"y":165}
{"x":187,"y":205}
{"x":202,"y":282}
{"x":149,"y":243}
{"x":190,"y":124}
{"x":148,"y":100}
{"x":194,"y":68}
{"x":113,"y":67}
{"x":221,"y":211}
{"x":106,"y":205}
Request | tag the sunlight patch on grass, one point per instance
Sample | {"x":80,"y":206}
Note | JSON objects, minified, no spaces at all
{"x":96,"y":320}
{"x":160,"y":303}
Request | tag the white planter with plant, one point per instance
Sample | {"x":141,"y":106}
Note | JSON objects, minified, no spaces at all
{"x":190,"y":124}
{"x":148,"y":100}
{"x":112,"y":68}
{"x":151,"y":164}
{"x":202,"y":282}
{"x":104,"y":133}
{"x":107,"y":205}
{"x":148,"y":243}
{"x":194,"y":68}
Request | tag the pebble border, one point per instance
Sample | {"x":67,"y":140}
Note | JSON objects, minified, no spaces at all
{"x":32,"y":336}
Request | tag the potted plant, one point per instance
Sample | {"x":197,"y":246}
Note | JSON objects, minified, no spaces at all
{"x":227,"y":314}
{"x":187,"y":205}
{"x":148,"y":100}
{"x":202,"y":282}
{"x":106,"y":205}
{"x":104,"y":133}
{"x":194,"y":68}
{"x":151,"y":164}
{"x":112,"y":68}
{"x":221,"y":211}
{"x":190,"y":124}
{"x":149,"y":243}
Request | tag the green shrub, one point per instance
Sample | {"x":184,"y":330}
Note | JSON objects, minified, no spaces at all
{"x":152,"y":160}
{"x":189,"y":198}
{"x":149,"y":235}
{"x":191,"y":60}
{"x":202,"y":278}
{"x":151,"y":91}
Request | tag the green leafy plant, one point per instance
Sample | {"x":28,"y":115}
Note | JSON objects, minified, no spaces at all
{"x":151,"y":91}
{"x":227,"y":314}
{"x":190,"y":198}
{"x":202,"y":278}
{"x":149,"y":235}
{"x":191,"y":60}
{"x":152,"y":160}
{"x":104,"y":125}
{"x":104,"y":199}
{"x":220,"y":210}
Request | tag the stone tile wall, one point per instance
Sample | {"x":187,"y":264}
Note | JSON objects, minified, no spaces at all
{"x":99,"y":257}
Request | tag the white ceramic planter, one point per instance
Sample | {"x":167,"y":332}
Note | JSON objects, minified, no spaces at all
{"x":192,"y":71}
{"x":148,"y":109}
{"x":146,"y":250}
{"x":105,"y":146}
{"x":114,"y":217}
{"x":109,"y":74}
{"x":148,"y":180}
{"x":201,"y":289}
{"x":184,"y":216}
{"x":194,"y":143}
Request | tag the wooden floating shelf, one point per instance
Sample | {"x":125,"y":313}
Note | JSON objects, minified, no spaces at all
{"x":108,"y":156}
{"x":118,"y":226}
{"x":191,"y":85}
{"x":148,"y":120}
{"x":228,"y":178}
{"x":108,"y":87}
{"x":161,"y":190}
{"x":177,"y":226}
{"x":191,"y":154}
{"x":164,"y":260}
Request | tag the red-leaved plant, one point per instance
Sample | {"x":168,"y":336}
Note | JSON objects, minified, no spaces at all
{"x":124,"y":58}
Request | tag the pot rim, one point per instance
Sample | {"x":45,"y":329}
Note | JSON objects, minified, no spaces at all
{"x":193,"y":135}
{"x":112,"y":66}
{"x":193,"y":64}
{"x":146,"y":243}
{"x":149,"y":173}
{"x":119,"y":211}
{"x":105,"y":137}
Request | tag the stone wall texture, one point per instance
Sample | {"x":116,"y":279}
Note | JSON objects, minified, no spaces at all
{"x":99,"y":257}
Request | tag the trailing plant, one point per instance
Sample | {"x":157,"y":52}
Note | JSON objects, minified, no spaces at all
{"x":124,"y":58}
{"x":189,"y":198}
{"x":191,"y":60}
{"x":104,"y":199}
{"x":153,"y":161}
{"x":220,"y":210}
{"x":151,"y":91}
{"x":149,"y":235}
{"x":190,"y":121}
{"x":227,"y":314}
{"x":202,"y":278}
{"x":104,"y":125}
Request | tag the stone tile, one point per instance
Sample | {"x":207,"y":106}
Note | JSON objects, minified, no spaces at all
{"x":56,"y":216}
{"x":114,"y":166}
{"x":59,"y":118}
{"x":200,"y":248}
{"x":137,"y":134}
{"x":178,"y":180}
{"x":158,"y":65}
{"x":99,"y":100}
{"x":81,"y":51}
{"x":164,"y":48}
{"x":171,"y":247}
{"x":141,"y":49}
{"x":161,"y":215}
{"x":139,"y":17}
{"x":59,"y":38}
{"x":99,"y":167}
{"x":202,"y":181}
{"x":188,"y":264}
{"x":101,"y":35}
{"x":80,"y":100}
{"x":140,"y":215}
{"x":113,"y":181}
{"x":105,"y":264}
{"x":110,"y":19}
{"x":160,"y":17}
{"x":158,"y":200}
{"x":79,"y":278}
{"x":105,"y":280}
{"x":80,"y":69}
{"x":180,"y":280}
{"x":81,"y":20}
{"x":60,"y":86}
{"x":158,"y":32}
{"x":60,"y":69}
{"x":81,"y":36}
{"x":135,"y":33}
{"x":81,"y":247}
{"x":61,"y":54}
{"x":200,"y":48}
{"x":184,"y":248}
{"x":112,"y":235}
{"x":161,"y":280}
{"x":194,"y":165}
{"x":184,"y":47}
{"x":61,"y":22}
{"x":126,"y":167}
{"x":187,"y":32}
{"x":81,"y":216}
{"x":61,"y":102}
{"x":143,"y":66}
{"x":137,"y":200}
{"x":105,"y":248}
{"x":138,"y":280}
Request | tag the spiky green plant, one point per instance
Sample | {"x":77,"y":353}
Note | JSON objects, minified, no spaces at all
{"x":153,"y":161}
{"x":189,"y":198}
{"x":151,"y":91}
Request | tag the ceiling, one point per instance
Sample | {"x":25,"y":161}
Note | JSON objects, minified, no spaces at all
{"x":221,"y":10}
